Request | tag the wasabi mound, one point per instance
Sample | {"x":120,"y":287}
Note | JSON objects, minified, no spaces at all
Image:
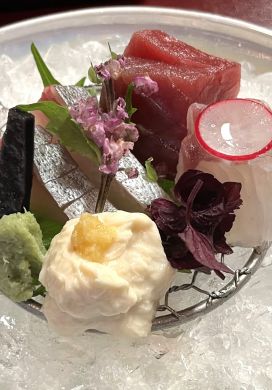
{"x":21,"y":255}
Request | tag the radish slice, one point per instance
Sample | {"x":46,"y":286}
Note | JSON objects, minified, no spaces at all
{"x":235,"y":129}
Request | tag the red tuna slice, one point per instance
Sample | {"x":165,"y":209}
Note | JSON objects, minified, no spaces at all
{"x":159,"y":46}
{"x":161,"y":119}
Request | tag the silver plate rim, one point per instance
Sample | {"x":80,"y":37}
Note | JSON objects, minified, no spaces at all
{"x":77,"y":14}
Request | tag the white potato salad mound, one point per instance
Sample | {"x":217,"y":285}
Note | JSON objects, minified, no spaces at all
{"x":106,"y":272}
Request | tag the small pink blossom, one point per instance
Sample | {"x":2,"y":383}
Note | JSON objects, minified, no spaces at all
{"x":86,"y":112}
{"x":127,"y":132}
{"x":120,"y":108}
{"x":112,"y":153}
{"x":144,"y":85}
{"x":102,"y":71}
{"x":122,"y":60}
{"x":97,"y":134}
{"x":110,"y":69}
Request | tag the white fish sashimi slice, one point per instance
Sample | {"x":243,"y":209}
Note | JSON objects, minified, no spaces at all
{"x":129,"y":194}
{"x":190,"y":153}
{"x":253,"y":223}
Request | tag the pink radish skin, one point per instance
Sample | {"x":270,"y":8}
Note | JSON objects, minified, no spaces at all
{"x":248,"y":110}
{"x":253,"y":223}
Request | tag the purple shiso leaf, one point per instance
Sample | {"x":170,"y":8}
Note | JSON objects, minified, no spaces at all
{"x":213,"y":201}
{"x":219,"y":239}
{"x":181,"y":258}
{"x":209,"y":195}
{"x":168,"y":216}
{"x":232,"y":197}
{"x":178,"y":254}
{"x":194,"y":231}
{"x":202,"y":249}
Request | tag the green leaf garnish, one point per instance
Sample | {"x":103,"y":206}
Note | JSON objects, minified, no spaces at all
{"x":49,"y":229}
{"x":69,"y":133}
{"x":114,"y":55}
{"x":167,"y":185}
{"x":46,"y":75}
{"x":128,"y":99}
{"x":184,"y":271}
{"x":93,"y":76}
{"x":40,"y":290}
{"x":150,"y":170}
{"x":91,"y":91}
{"x":80,"y":82}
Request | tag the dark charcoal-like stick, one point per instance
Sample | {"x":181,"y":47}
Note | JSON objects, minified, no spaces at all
{"x":16,"y":162}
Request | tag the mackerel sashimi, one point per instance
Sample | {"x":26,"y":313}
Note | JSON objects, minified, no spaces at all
{"x":184,"y":75}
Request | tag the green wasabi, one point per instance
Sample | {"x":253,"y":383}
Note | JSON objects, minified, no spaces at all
{"x":21,"y":255}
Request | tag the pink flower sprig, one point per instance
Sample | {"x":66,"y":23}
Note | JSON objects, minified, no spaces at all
{"x":108,"y":130}
{"x":141,"y":85}
{"x":111,"y":68}
{"x":112,"y":130}
{"x":144,"y":85}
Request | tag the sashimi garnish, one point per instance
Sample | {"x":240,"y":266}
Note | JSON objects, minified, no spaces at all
{"x":16,"y":162}
{"x":235,"y":129}
{"x":193,"y":228}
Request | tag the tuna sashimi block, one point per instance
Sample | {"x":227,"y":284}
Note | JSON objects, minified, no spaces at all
{"x":161,"y":118}
{"x":159,"y":46}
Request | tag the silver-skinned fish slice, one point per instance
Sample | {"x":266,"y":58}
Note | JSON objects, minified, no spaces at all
{"x":57,"y":171}
{"x":62,"y":178}
{"x":131,"y":194}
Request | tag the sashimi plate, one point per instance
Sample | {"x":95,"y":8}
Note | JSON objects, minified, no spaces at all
{"x":69,"y":41}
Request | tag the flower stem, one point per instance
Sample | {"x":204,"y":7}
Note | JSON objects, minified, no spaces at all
{"x":105,"y":183}
{"x":110,"y":94}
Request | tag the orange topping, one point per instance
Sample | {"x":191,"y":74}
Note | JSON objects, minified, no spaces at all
{"x":91,"y":238}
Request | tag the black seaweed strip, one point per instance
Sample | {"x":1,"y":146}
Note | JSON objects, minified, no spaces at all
{"x":16,"y":162}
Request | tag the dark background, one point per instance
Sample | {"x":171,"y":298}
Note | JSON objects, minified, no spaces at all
{"x":256,"y":11}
